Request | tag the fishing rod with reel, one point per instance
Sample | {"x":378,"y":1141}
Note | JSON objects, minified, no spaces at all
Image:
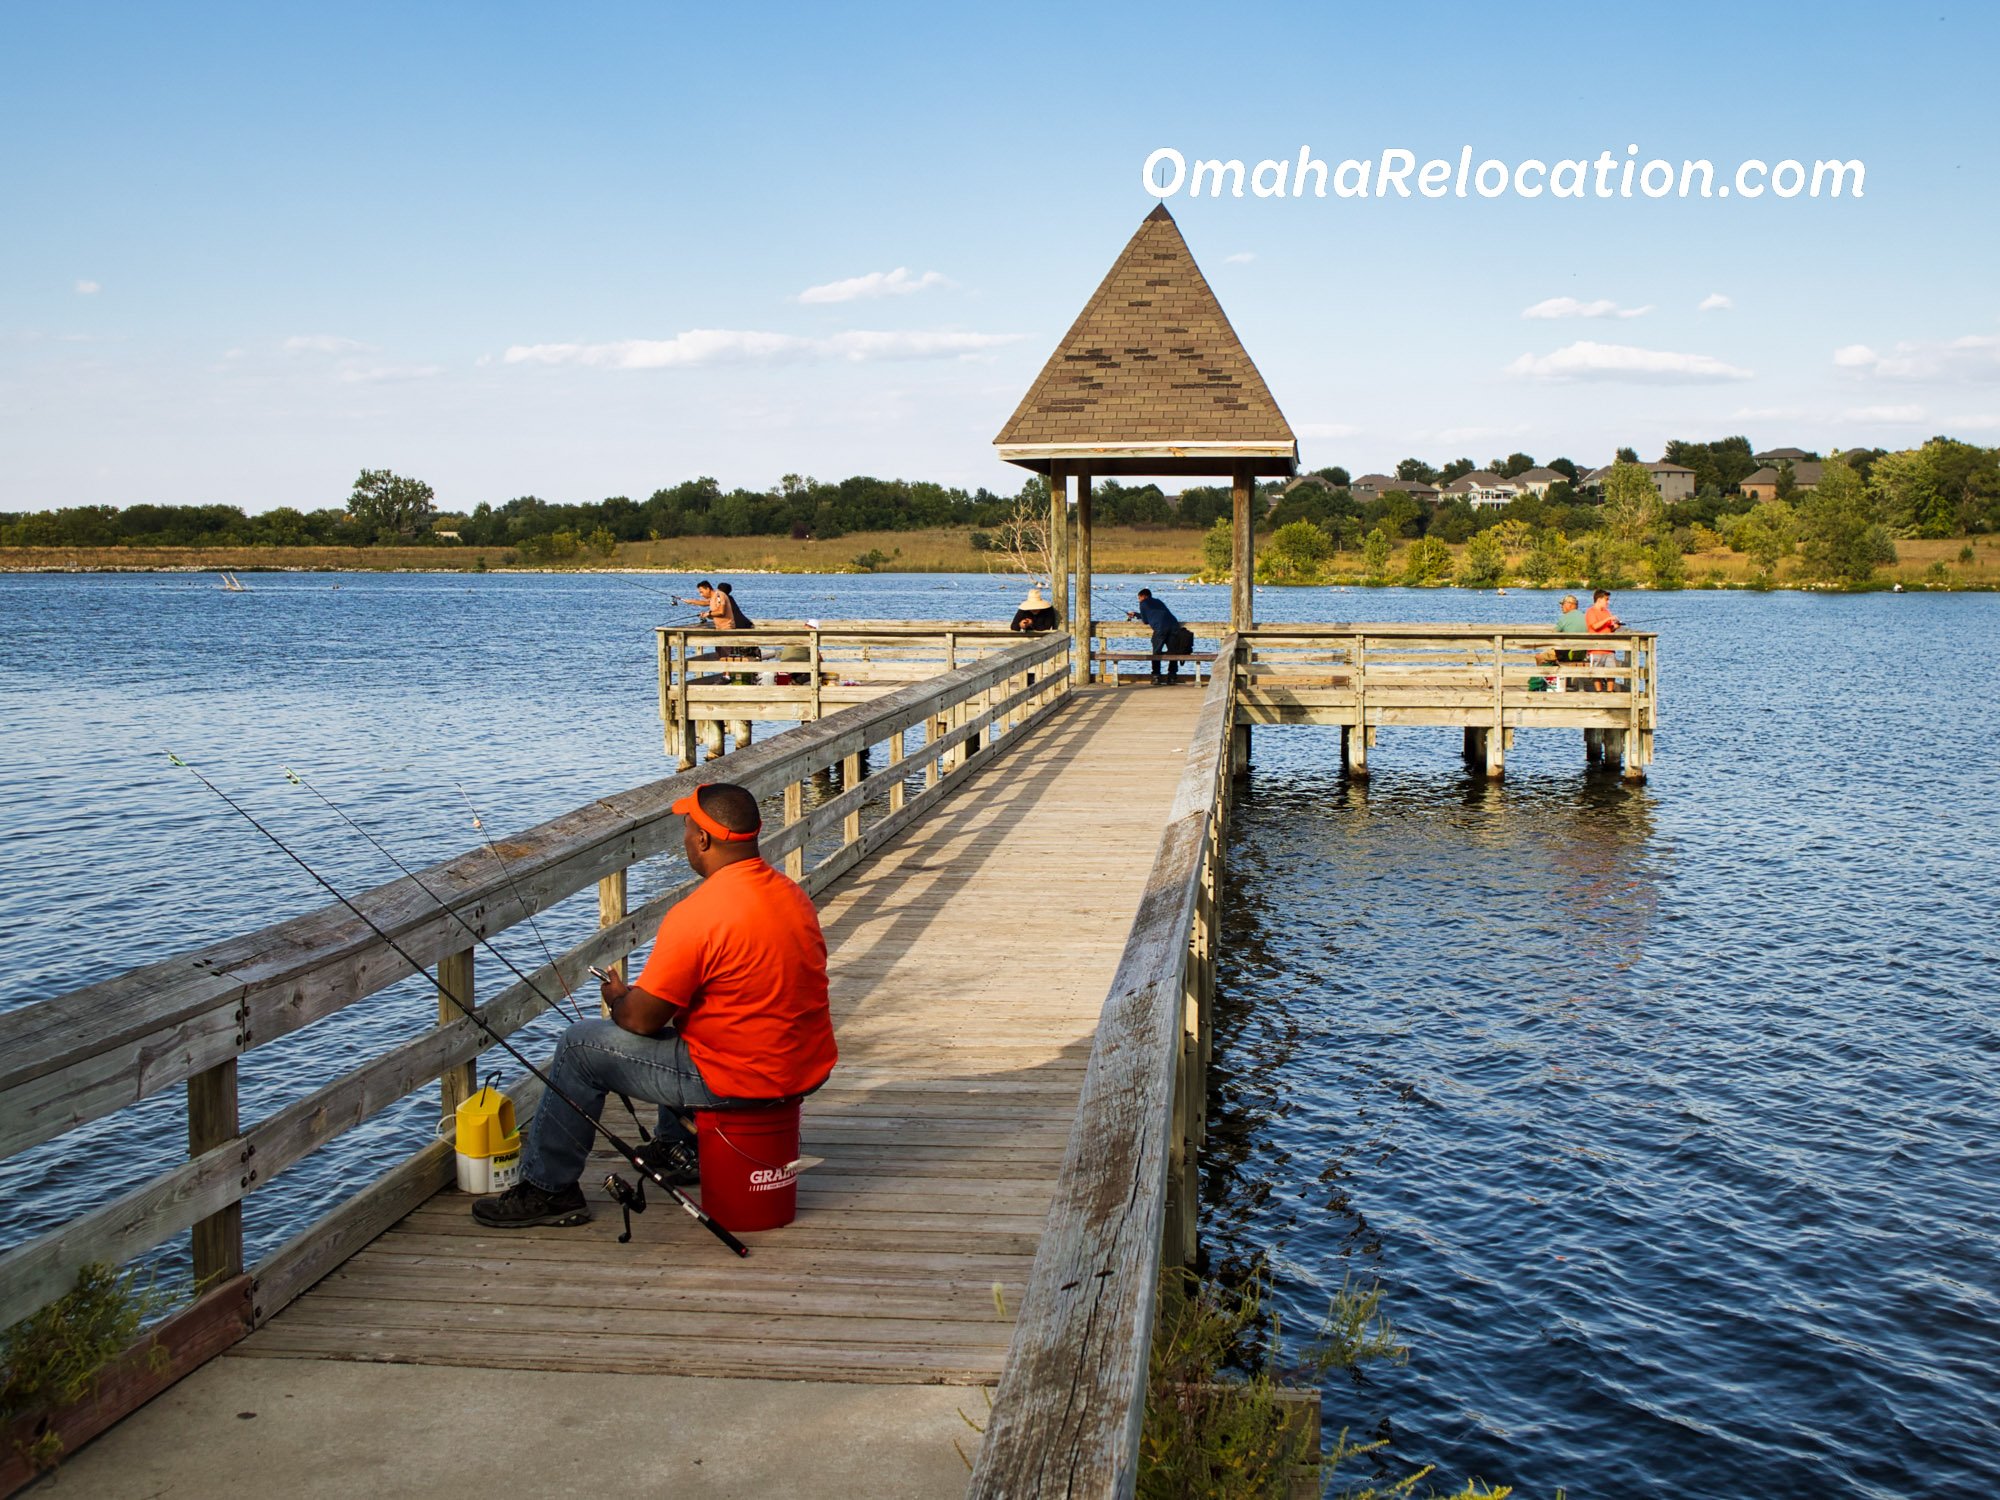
{"x":634,"y":1156}
{"x":575,"y":1012}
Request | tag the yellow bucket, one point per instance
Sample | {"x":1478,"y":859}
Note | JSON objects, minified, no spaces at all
{"x":489,"y":1145}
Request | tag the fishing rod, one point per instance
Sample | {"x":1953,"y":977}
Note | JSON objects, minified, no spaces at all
{"x":479,"y":826}
{"x":573,"y":1013}
{"x":638,"y":1161}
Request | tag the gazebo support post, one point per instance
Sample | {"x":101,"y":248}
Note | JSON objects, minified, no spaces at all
{"x":1059,"y":541}
{"x":1080,"y":663}
{"x":1243,"y":551}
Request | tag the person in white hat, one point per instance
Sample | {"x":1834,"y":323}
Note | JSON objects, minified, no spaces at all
{"x":1035,"y":613}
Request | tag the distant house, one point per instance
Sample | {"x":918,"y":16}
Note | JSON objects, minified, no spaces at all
{"x":1482,"y":489}
{"x":1763,"y":485}
{"x":1783,"y":456}
{"x":1537,"y":481}
{"x":1673,"y":481}
{"x":1375,"y":486}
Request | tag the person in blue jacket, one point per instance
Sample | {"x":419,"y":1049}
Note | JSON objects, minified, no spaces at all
{"x":1170,"y":637}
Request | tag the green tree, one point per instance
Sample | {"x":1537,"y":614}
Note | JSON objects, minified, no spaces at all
{"x":1631,"y":507}
{"x":1375,"y":555}
{"x":1218,"y":549}
{"x":1427,"y":561}
{"x":1626,"y":456}
{"x":1296,"y":551}
{"x":1514,"y":463}
{"x":1549,"y":558}
{"x":1414,"y":469}
{"x":1400,"y":512}
{"x":1841,"y":542}
{"x":390,"y":506}
{"x":1485,"y":562}
{"x":1665,"y":563}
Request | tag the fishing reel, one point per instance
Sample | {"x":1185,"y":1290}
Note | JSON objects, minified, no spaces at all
{"x":629,"y":1196}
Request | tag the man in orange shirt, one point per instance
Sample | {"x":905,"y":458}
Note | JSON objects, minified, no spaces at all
{"x":731,"y":1008}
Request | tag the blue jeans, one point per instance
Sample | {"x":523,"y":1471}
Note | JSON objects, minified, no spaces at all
{"x":594,"y":1058}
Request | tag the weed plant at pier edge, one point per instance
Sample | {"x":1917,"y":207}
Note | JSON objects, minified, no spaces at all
{"x":1207,"y":1437}
{"x":53,"y":1359}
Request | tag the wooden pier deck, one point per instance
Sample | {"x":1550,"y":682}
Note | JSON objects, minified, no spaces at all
{"x":964,"y":1000}
{"x":965,"y":996}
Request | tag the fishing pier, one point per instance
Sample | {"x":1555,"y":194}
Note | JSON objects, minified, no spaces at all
{"x":1018,"y":865}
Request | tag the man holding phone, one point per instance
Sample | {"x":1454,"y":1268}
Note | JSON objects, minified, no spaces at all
{"x":730,"y":1009}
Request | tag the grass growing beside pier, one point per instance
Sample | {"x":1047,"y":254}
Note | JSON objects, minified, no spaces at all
{"x":1211,"y":1438}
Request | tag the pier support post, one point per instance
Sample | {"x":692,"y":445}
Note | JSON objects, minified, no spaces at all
{"x":1239,"y":750}
{"x":1593,"y":746}
{"x":1079,"y":655}
{"x":1059,"y":542}
{"x":1354,"y":741}
{"x":1493,"y":747}
{"x":1243,"y":551}
{"x":1472,"y":750}
{"x":1614,"y":747}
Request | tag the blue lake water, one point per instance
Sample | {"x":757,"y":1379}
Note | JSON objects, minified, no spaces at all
{"x":1667,"y":1117}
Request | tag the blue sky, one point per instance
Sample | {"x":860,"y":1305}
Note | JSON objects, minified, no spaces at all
{"x":250,"y":250}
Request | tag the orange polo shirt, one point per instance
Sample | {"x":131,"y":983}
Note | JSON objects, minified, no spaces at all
{"x":744,"y":955}
{"x":1599,"y":619}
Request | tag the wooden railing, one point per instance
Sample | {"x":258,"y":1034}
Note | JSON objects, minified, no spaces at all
{"x":801,"y":672}
{"x":1067,"y":1415}
{"x":79,"y":1057}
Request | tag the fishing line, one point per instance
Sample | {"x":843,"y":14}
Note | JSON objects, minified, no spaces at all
{"x":693,"y":1209}
{"x":535,"y":927}
{"x":478,"y":937}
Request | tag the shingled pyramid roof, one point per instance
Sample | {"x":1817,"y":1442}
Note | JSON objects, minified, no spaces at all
{"x":1151,"y":378}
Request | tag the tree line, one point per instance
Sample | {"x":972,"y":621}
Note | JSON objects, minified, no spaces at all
{"x":1942,"y":488}
{"x":389,"y":509}
{"x":1839,"y":530}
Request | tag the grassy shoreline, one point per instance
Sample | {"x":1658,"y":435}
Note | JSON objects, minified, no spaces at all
{"x":1121,"y":549}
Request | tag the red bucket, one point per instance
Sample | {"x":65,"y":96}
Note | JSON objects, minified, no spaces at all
{"x":747,"y":1177}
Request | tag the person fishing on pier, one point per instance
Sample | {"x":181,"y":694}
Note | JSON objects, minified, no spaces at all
{"x":730,"y":1011}
{"x":1599,"y":620}
{"x":1170,"y":637}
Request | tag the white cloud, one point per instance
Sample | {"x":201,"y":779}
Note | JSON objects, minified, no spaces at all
{"x":1715,"y":302}
{"x":1570,"y":307}
{"x":323,"y":343}
{"x":1327,"y":430}
{"x":709,"y":346}
{"x":1883,"y":414}
{"x":1623,"y":362}
{"x":1977,"y":421}
{"x":353,"y":374}
{"x":896,"y":283}
{"x":1240,"y":258}
{"x":88,"y":288}
{"x":1976,"y":357}
{"x":1769,"y":414}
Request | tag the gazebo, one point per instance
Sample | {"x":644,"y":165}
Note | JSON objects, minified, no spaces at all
{"x":1150,"y":380}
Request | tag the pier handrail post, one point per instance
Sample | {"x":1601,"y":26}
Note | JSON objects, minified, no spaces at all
{"x":454,"y":976}
{"x":611,"y":896}
{"x":213,"y":1121}
{"x":795,"y":808}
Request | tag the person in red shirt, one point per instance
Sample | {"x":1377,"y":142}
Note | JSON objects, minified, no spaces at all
{"x":1599,"y":620}
{"x":731,"y":1008}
